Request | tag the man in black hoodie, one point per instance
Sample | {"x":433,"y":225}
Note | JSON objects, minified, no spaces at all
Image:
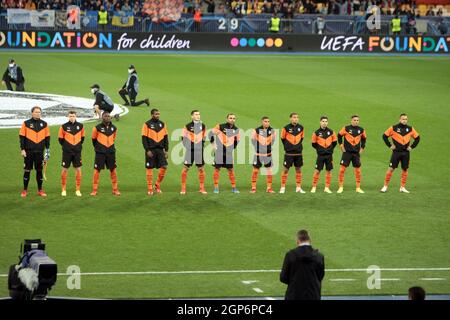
{"x":303,"y":270}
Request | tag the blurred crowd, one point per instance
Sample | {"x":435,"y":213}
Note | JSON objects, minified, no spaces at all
{"x":325,"y":7}
{"x":110,"y":5}
{"x":238,"y":7}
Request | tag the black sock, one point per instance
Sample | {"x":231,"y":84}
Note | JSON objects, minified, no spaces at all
{"x":26,"y":179}
{"x":39,"y":179}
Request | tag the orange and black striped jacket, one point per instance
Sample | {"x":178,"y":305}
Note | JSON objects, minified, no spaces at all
{"x":34,"y":135}
{"x":194,"y":135}
{"x":292,"y":138}
{"x":262,"y":140}
{"x":354,"y":138}
{"x":154,"y":135}
{"x":71,"y":136}
{"x":324,"y":141}
{"x":225,"y":136}
{"x":103,"y":138}
{"x":401,"y":137}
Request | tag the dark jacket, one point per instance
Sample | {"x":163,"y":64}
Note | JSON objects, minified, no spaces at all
{"x":104,"y":137}
{"x":19,"y":76}
{"x":324,"y":141}
{"x":34,"y":135}
{"x":303,"y":271}
{"x":155,"y":135}
{"x":71,"y":137}
{"x":401,"y":137}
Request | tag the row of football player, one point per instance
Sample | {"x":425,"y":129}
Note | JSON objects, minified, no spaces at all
{"x":35,"y":144}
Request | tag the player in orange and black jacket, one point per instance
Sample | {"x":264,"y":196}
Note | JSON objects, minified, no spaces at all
{"x":34,"y":141}
{"x":194,"y":135}
{"x":401,"y":135}
{"x":352,"y":140}
{"x":71,"y":138}
{"x":225,"y":138}
{"x":103,"y":138}
{"x":155,"y":141}
{"x":263,"y":138}
{"x":324,"y":140}
{"x":292,"y":137}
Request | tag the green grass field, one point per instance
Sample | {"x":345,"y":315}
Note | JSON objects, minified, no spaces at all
{"x":224,"y":232}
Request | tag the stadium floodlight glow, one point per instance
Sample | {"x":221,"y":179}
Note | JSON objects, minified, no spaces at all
{"x":34,"y":275}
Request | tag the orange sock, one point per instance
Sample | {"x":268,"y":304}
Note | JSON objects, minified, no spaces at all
{"x":254,"y":177}
{"x":316,"y":177}
{"x":95,"y":180}
{"x":216,"y":177}
{"x":161,"y":173}
{"x":284,"y":179}
{"x":269,"y":178}
{"x":113,"y":174}
{"x":201,"y":178}
{"x":183,"y":178}
{"x":388,"y":177}
{"x":358,"y":177}
{"x":149,"y":180}
{"x":232,"y":178}
{"x":404,"y":177}
{"x":298,"y":179}
{"x":78,"y":180}
{"x":63,"y":179}
{"x":328,"y":179}
{"x":341,"y":175}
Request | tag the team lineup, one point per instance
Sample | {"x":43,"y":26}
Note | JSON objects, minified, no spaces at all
{"x":224,"y":138}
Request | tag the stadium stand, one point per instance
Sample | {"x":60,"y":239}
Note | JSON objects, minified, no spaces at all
{"x":341,"y":16}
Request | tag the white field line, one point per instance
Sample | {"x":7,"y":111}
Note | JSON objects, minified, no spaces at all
{"x":342,"y":280}
{"x":391,"y":279}
{"x":125,"y":112}
{"x":114,"y":273}
{"x":258,"y":290}
{"x":433,"y":279}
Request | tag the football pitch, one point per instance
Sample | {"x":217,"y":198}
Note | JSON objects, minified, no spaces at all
{"x":233,"y":245}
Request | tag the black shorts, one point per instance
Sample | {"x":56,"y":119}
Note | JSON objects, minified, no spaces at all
{"x":157,"y":161}
{"x":324,"y":160}
{"x":297,"y":161}
{"x":399,"y":157}
{"x":106,"y":107}
{"x":105,"y":159}
{"x":71,"y":158}
{"x":193,"y":157}
{"x":354,"y":158}
{"x":259,"y":161}
{"x":33,"y":159}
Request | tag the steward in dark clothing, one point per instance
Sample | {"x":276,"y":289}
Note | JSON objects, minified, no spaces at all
{"x":131,"y":88}
{"x":303,"y":271}
{"x":13,"y":74}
